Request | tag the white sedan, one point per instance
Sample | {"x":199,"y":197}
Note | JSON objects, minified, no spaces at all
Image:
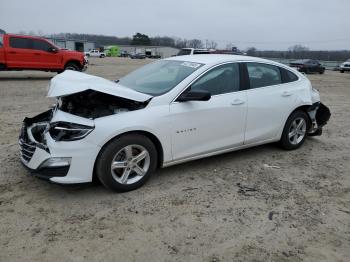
{"x":165,"y":113}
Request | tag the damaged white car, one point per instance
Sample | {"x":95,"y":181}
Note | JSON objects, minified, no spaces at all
{"x":167,"y":112}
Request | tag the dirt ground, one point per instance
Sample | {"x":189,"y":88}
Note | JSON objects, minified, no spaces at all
{"x":297,"y":210}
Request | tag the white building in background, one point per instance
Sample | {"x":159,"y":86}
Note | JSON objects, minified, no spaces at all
{"x":163,"y":51}
{"x":75,"y":45}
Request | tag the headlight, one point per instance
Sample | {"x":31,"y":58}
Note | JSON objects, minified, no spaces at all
{"x":64,"y":131}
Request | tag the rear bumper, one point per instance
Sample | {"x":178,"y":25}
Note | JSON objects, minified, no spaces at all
{"x":319,"y":115}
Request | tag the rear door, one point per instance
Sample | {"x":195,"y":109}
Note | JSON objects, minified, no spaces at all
{"x":20,"y":53}
{"x":270,"y":100}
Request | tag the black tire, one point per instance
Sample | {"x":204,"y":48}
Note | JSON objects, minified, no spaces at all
{"x":341,"y":71}
{"x":321,"y":72}
{"x":106,"y":157}
{"x":72,"y":66}
{"x":285,"y":141}
{"x":102,"y":56}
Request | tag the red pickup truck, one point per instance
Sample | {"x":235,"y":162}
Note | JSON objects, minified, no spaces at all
{"x":18,"y":52}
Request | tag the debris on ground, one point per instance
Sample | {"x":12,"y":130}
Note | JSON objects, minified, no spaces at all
{"x":245,"y":190}
{"x":271,"y":166}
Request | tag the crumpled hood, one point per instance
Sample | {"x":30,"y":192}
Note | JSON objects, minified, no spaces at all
{"x":71,"y":82}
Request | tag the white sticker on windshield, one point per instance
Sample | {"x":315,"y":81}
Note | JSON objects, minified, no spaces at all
{"x":190,"y":64}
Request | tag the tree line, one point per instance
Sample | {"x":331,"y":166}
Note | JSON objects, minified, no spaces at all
{"x":137,"y":39}
{"x":301,"y":52}
{"x":294,"y":52}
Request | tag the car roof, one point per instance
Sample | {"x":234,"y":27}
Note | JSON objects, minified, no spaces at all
{"x":217,"y":58}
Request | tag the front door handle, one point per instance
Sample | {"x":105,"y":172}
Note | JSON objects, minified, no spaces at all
{"x":286,"y":93}
{"x":237,"y":102}
{"x":36,"y":53}
{"x":13,"y":52}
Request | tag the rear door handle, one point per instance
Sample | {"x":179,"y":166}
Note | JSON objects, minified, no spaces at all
{"x":286,"y":93}
{"x":13,"y":52}
{"x":237,"y":102}
{"x":36,"y":53}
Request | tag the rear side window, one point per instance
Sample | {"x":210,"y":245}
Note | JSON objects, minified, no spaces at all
{"x":185,"y":52}
{"x":261,"y":75}
{"x":199,"y":52}
{"x":287,"y":76}
{"x":19,"y":42}
{"x":1,"y":40}
{"x":41,"y":45}
{"x":220,"y":80}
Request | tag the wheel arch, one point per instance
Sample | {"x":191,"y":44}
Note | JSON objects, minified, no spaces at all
{"x":73,"y":61}
{"x":302,"y":107}
{"x":155,"y":140}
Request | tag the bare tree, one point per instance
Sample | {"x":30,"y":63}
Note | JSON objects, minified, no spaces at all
{"x":195,"y":43}
{"x":211,"y":44}
{"x":298,"y":48}
{"x":252,"y":51}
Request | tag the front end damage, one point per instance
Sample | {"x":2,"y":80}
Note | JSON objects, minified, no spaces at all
{"x":55,"y":145}
{"x":319,"y":115}
{"x":34,"y":152}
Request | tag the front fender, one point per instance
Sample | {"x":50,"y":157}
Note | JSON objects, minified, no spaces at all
{"x":107,"y":128}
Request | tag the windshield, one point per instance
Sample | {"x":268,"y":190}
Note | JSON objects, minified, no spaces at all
{"x":159,"y":77}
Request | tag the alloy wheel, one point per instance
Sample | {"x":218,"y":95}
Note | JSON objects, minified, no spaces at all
{"x":297,"y":131}
{"x":130,"y":164}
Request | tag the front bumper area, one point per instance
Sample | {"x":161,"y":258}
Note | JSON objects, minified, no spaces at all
{"x":47,"y":173}
{"x":59,"y":162}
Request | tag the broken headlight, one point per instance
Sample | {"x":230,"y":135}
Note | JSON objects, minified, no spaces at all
{"x":65,"y":131}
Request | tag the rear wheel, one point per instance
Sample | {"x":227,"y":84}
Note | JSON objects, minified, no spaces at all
{"x":127,"y":162}
{"x":295,"y":130}
{"x":341,"y":71}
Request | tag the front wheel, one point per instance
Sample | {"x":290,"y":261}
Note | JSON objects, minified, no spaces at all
{"x":71,"y":66}
{"x":295,"y":130}
{"x":127,"y":162}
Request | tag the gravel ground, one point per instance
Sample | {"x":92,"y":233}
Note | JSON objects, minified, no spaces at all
{"x":232,"y":207}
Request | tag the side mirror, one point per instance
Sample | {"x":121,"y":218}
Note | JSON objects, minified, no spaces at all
{"x":52,"y":50}
{"x":194,"y":95}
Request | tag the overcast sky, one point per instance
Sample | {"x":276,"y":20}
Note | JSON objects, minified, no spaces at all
{"x":264,"y":24}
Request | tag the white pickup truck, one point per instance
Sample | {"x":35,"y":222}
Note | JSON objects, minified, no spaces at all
{"x":95,"y":53}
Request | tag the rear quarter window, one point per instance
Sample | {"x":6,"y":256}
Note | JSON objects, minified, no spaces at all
{"x":288,"y":76}
{"x":261,"y":75}
{"x":1,"y":40}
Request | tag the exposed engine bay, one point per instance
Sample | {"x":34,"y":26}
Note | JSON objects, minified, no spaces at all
{"x":93,"y":104}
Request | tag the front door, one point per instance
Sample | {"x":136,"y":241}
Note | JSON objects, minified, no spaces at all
{"x":47,"y":58}
{"x":200,"y":127}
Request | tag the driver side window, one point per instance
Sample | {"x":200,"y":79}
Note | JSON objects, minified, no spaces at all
{"x":220,"y":80}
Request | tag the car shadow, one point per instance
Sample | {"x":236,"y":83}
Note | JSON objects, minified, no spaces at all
{"x":191,"y":166}
{"x":223,"y":158}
